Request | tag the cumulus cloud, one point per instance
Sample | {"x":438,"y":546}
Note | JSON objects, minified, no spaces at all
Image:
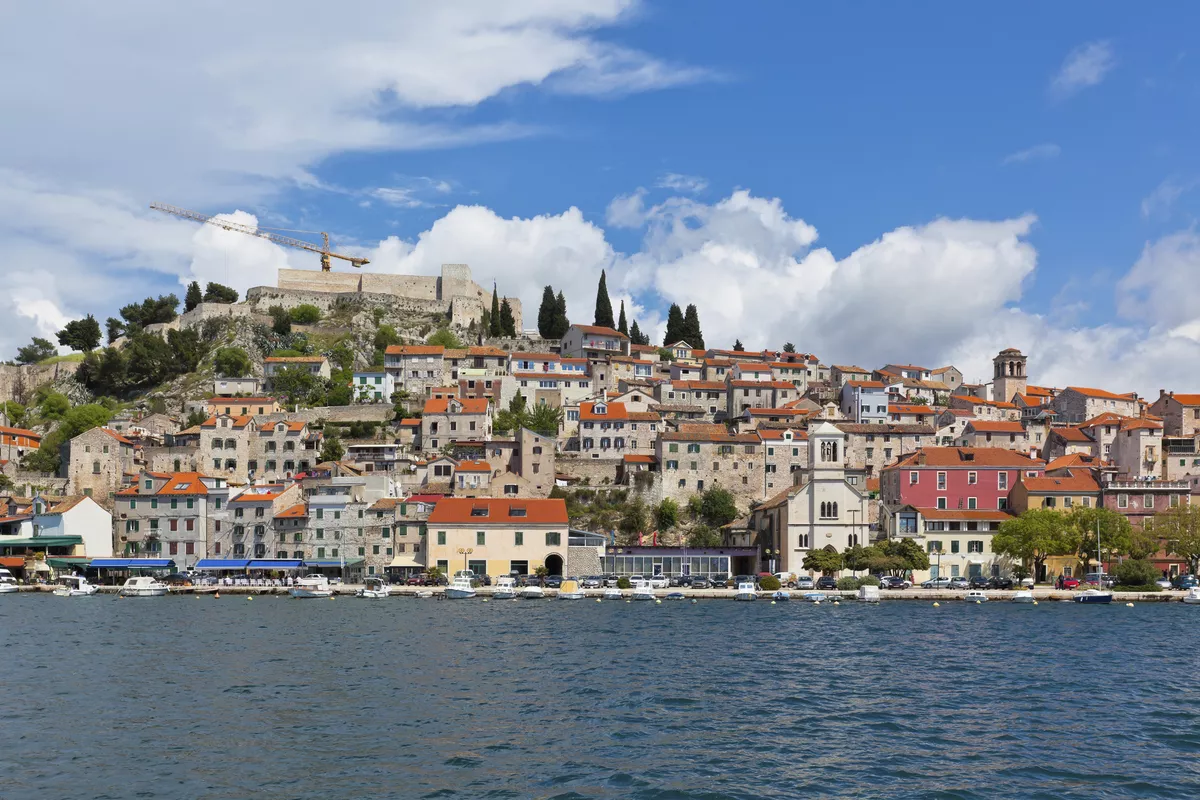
{"x":1084,"y":66}
{"x":1039,"y":152}
{"x":692,"y":184}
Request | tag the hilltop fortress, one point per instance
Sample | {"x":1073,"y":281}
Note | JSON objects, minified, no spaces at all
{"x":453,"y":293}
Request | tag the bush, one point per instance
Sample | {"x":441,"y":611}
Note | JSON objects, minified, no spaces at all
{"x":305,"y":314}
{"x":1136,"y":572}
{"x":1149,"y":587}
{"x":623,"y":583}
{"x":849,"y":583}
{"x":232,"y":362}
{"x":869,"y":580}
{"x":768,"y":583}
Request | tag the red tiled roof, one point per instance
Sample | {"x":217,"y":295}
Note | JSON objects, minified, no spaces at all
{"x":1130,"y":423}
{"x":293,"y":512}
{"x":473,"y":466}
{"x":1073,"y":460}
{"x":1185,"y":399}
{"x":965,"y":514}
{"x":967,"y":458}
{"x":643,"y":416}
{"x":615,"y":411}
{"x":410,"y":422}
{"x":20,"y":432}
{"x":238,"y":422}
{"x":487,"y":352}
{"x":294,"y":360}
{"x":865,"y":384}
{"x":762,"y":384}
{"x":260,"y":497}
{"x":470,"y":405}
{"x":117,"y":436}
{"x":1099,"y":394}
{"x":1071,"y":482}
{"x":631,"y":458}
{"x":777,"y":412}
{"x":988,"y":426}
{"x":909,"y":409}
{"x":458,"y":511}
{"x":1070,"y":434}
{"x":776,"y":434}
{"x":600,"y":330}
{"x":415,"y":350}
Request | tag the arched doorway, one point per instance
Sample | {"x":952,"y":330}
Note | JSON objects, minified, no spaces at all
{"x":554,"y":564}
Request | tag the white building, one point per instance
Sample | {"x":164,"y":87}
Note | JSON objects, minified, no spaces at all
{"x":376,"y":386}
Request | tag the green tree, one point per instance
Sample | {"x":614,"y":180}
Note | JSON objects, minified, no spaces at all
{"x":332,"y":450}
{"x":702,"y":535}
{"x":546,"y":314}
{"x":508,"y":323}
{"x":13,"y":412}
{"x":232,"y":362}
{"x":82,"y":335}
{"x":1180,"y":527}
{"x":305,"y":314}
{"x":114,"y":328}
{"x":666,"y":515}
{"x":622,"y":324}
{"x":904,"y":556}
{"x":281,"y":320}
{"x":54,"y":406}
{"x":788,"y":347}
{"x":858,"y":558}
{"x":826,"y":562}
{"x":196,"y":418}
{"x":512,"y":418}
{"x":194,"y":296}
{"x":495,"y":326}
{"x":40,"y":350}
{"x":1035,"y":536}
{"x":561,"y":321}
{"x":604,"y":314}
{"x":674,"y":325}
{"x":635,"y":520}
{"x":545,"y":419}
{"x":635,"y":334}
{"x":717,"y":507}
{"x":217,"y":293}
{"x":1136,"y":572}
{"x":188,"y":350}
{"x":691,"y":327}
{"x":74,"y":422}
{"x":738,"y":346}
{"x":295,"y":385}
{"x":445,"y":338}
{"x":1116,"y":534}
{"x":149,"y":360}
{"x":150,"y":311}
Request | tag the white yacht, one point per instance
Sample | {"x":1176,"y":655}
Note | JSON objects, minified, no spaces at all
{"x":1022,"y":596}
{"x":506,"y":589}
{"x":975,"y":596}
{"x":311,"y":586}
{"x":143,"y":586}
{"x":8,"y":583}
{"x":1192,"y":597}
{"x":533,"y":592}
{"x":461,"y":587}
{"x":374,"y":589}
{"x":74,"y":586}
{"x":612,"y":593}
{"x":746,"y":590}
{"x":570,"y":591}
{"x":868,"y":593}
{"x":642,"y":590}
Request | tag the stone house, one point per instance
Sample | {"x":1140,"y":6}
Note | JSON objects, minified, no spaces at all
{"x":792,"y":372}
{"x":710,"y":396}
{"x":986,"y":433}
{"x":698,"y":457}
{"x":97,"y":462}
{"x":758,"y":393}
{"x":242,"y":406}
{"x":225,"y":447}
{"x":228,"y":387}
{"x":839,"y":374}
{"x":593,"y":341}
{"x":251,"y":531}
{"x":317,"y":366}
{"x":1180,"y":413}
{"x":908,"y":414}
{"x":716,"y":370}
{"x":445,"y":421}
{"x":864,"y":402}
{"x":985,"y":409}
{"x":609,"y":431}
{"x":785,"y":453}
{"x":1069,"y":440}
{"x":1137,"y":449}
{"x":498,"y":536}
{"x":947,"y":375}
{"x":950,"y":423}
{"x":871,"y":447}
{"x":415,"y":368}
{"x":176,"y":515}
{"x":278,"y":450}
{"x":1077,"y":403}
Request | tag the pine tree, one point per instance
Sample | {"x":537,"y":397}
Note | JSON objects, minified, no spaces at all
{"x":604,"y":315}
{"x":494,"y":328}
{"x":622,"y":325}
{"x":691,"y":328}
{"x":788,"y":347}
{"x":561,"y":321}
{"x":674,"y":325}
{"x":738,"y":346}
{"x":635,"y":334}
{"x":546,"y":314}
{"x":508,"y":324}
{"x":194,"y":296}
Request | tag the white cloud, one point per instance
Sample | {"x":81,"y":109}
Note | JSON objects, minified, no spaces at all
{"x":1160,"y":201}
{"x":692,"y":184}
{"x":1038,"y":152}
{"x":1084,"y":66}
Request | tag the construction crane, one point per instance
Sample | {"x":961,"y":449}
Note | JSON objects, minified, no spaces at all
{"x":262,"y":233}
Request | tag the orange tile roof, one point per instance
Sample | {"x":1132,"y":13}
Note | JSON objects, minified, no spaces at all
{"x":486,"y":352}
{"x":776,"y":434}
{"x":1072,"y":434}
{"x":470,"y":405}
{"x":746,"y":366}
{"x":987,"y":426}
{"x":238,"y":422}
{"x":1039,"y":391}
{"x":865,"y":384}
{"x":293,"y":512}
{"x":958,"y":457}
{"x":631,"y":458}
{"x":1185,"y":399}
{"x":600,"y":330}
{"x":909,"y":409}
{"x":710,"y":386}
{"x":415,"y":350}
{"x":762,"y":384}
{"x":1073,"y":460}
{"x":458,"y":511}
{"x":965,"y":514}
{"x":1070,"y":482}
{"x":643,"y":416}
{"x":473,"y":466}
{"x":260,"y":497}
{"x":1130,"y":423}
{"x":117,"y":436}
{"x":294,"y":360}
{"x":1099,"y":394}
{"x":410,"y":422}
{"x":616,"y":411}
{"x":20,"y":432}
{"x":537,"y":356}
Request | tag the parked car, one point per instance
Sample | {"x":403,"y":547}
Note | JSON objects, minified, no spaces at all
{"x":1000,"y":583}
{"x":720,"y":580}
{"x":552,"y":581}
{"x":959,"y":582}
{"x":1068,"y":582}
{"x":804,"y":582}
{"x":178,"y":579}
{"x":1099,"y":580}
{"x":978,"y":582}
{"x":611,"y":581}
{"x":893,"y":582}
{"x":936,"y":583}
{"x":592,"y":582}
{"x":738,"y":580}
{"x":678,"y":581}
{"x":1163,"y":583}
{"x":826,"y":582}
{"x":659,"y":582}
{"x":698,"y":582}
{"x":415,"y":580}
{"x":1184,"y":582}
{"x":439,"y":580}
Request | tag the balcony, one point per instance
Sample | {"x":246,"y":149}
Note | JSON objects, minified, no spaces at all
{"x":1149,"y":485}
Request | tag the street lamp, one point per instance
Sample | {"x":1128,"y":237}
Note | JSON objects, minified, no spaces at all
{"x":939,"y":555}
{"x":464,"y":552}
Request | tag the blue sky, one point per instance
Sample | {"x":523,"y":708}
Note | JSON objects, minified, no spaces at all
{"x":1058,"y":140}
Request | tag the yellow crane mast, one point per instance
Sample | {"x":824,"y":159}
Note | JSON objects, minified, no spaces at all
{"x":284,"y":241}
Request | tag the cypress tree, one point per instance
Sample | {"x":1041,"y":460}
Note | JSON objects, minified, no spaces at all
{"x":494,"y":328}
{"x":546,"y":314}
{"x":691,"y":328}
{"x":508,"y":324}
{"x":674,"y":325}
{"x":622,"y":325}
{"x":561,"y":320}
{"x":193,"y":297}
{"x":604,"y":315}
{"x":738,"y":346}
{"x":635,"y":334}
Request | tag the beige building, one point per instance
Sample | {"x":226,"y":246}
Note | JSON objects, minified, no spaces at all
{"x":225,"y":447}
{"x":176,"y":515}
{"x":698,"y":457}
{"x":1180,"y":413}
{"x":317,"y":366}
{"x":242,"y":406}
{"x":986,"y":433}
{"x":870,"y":447}
{"x":448,"y":420}
{"x":97,"y":463}
{"x":1077,"y":403}
{"x":498,"y":536}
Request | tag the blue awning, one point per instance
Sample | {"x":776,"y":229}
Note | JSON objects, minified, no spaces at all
{"x":222,"y":563}
{"x":334,"y":562}
{"x":276,"y":563}
{"x":132,"y":563}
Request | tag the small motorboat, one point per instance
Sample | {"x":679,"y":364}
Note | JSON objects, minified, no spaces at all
{"x":143,"y":586}
{"x":612,"y":593}
{"x":975,"y":596}
{"x":1192,"y":598}
{"x":532,"y":592}
{"x":424,"y":595}
{"x":570,"y":591}
{"x":642,"y":590}
{"x":506,"y":589}
{"x":781,"y":595}
{"x":311,"y":586}
{"x":74,"y":586}
{"x":1093,"y":597}
{"x":462,"y":587}
{"x":815,"y":597}
{"x":8,"y":584}
{"x":746,"y":590}
{"x":374,"y":589}
{"x":868,"y":593}
{"x":675,"y":596}
{"x":1023,"y":596}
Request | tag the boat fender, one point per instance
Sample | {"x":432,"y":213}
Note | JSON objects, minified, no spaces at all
{"x":693,"y":601}
{"x":772,"y":602}
{"x":1035,"y":602}
{"x":216,"y":595}
{"x":485,"y":599}
{"x":976,"y":602}
{"x":251,"y":597}
{"x":937,"y":605}
{"x":1129,"y":605}
{"x":658,"y":602}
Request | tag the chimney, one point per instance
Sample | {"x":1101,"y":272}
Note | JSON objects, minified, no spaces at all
{"x":921,"y":458}
{"x":1162,"y":393}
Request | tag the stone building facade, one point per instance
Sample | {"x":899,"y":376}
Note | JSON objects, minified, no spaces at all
{"x":96,"y":464}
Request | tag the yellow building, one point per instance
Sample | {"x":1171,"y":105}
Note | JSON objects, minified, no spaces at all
{"x":497,"y":536}
{"x":1063,"y":492}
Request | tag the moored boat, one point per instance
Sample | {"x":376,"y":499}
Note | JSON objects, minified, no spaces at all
{"x":532,"y":592}
{"x":642,"y":590}
{"x":311,"y":586}
{"x":1023,"y":596}
{"x":675,"y":596}
{"x":74,"y":586}
{"x":815,"y":597}
{"x":143,"y":586}
{"x":374,"y":589}
{"x":612,"y":593}
{"x":746,"y":590}
{"x":975,"y":596}
{"x":506,"y":589}
{"x":1192,"y":598}
{"x":868,"y":593}
{"x":781,"y":595}
{"x":8,"y":584}
{"x":462,"y":587}
{"x":570,"y":591}
{"x":1093,"y":597}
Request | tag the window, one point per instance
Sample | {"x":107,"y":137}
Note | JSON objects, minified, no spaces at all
{"x":1148,"y":501}
{"x":441,"y":538}
{"x":934,"y":546}
{"x":553,"y":539}
{"x":480,"y":538}
{"x":954,"y":545}
{"x":972,"y":478}
{"x":519,"y":538}
{"x":913,"y":478}
{"x":1068,"y":502}
{"x":95,"y":467}
{"x":1002,"y":480}
{"x":1002,"y":503}
{"x":1174,"y":501}
{"x":941,"y":481}
{"x":829,"y":510}
{"x":1122,"y":501}
{"x":320,"y":533}
{"x":971,"y":502}
{"x":941,"y":502}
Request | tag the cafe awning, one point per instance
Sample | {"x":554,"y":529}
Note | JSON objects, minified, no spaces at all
{"x":276,"y":563}
{"x":334,"y":562}
{"x":402,"y":562}
{"x":222,"y":563}
{"x":132,"y":563}
{"x":61,"y":562}
{"x":12,"y":562}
